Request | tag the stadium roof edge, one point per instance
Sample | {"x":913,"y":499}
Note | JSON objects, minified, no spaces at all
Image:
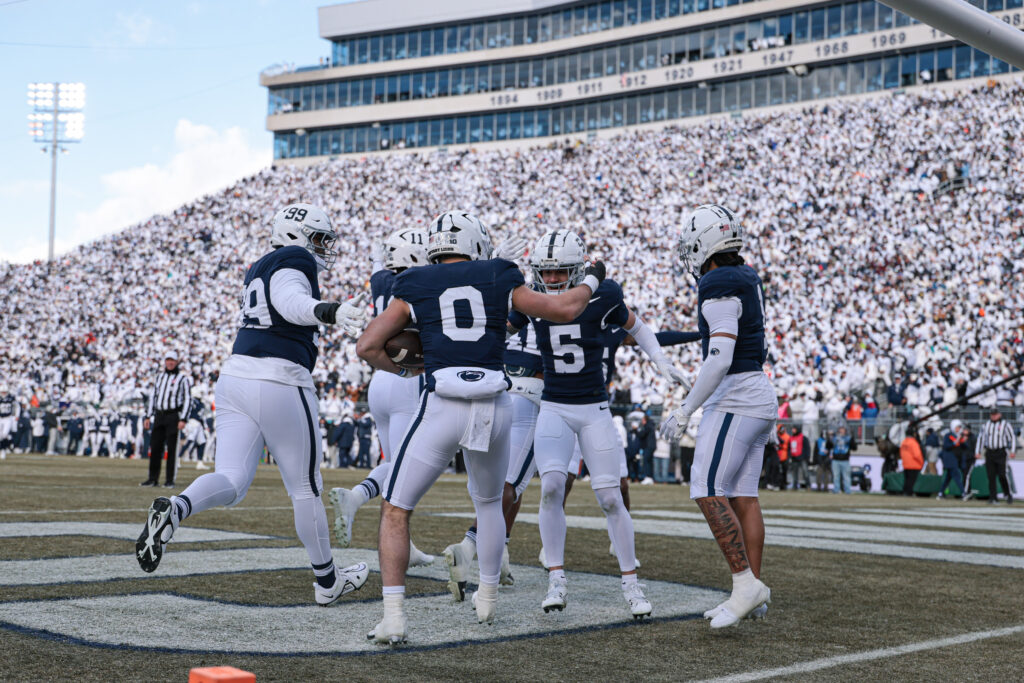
{"x":370,"y":16}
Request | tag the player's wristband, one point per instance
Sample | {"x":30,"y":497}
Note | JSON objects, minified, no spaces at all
{"x":592,"y":282}
{"x":402,"y":372}
{"x":326,"y":313}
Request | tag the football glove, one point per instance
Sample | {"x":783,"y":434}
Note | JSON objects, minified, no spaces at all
{"x":671,"y":373}
{"x":511,"y":249}
{"x":377,"y":253}
{"x":675,"y":424}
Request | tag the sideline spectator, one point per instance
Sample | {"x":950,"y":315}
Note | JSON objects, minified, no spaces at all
{"x":913,"y":461}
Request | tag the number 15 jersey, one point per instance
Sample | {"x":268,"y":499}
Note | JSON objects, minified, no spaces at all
{"x":573,"y":353}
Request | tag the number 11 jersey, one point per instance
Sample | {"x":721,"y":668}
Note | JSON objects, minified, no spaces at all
{"x":573,"y":353}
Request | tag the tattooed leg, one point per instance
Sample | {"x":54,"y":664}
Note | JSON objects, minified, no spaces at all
{"x":748,"y":512}
{"x":726,"y":528}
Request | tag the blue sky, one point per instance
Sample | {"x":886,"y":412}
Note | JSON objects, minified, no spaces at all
{"x":173,"y":109}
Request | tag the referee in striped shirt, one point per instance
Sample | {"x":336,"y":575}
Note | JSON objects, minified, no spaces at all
{"x":169,"y":402}
{"x":996,"y":439}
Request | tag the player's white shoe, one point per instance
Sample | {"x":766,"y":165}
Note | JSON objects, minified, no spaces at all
{"x":742,"y":602}
{"x":459,"y":562}
{"x":485,"y":601}
{"x":161,"y":523}
{"x":390,"y":630}
{"x":418,"y":558}
{"x":558,"y":591}
{"x":611,"y":551}
{"x":200,"y":465}
{"x":346,"y":580}
{"x":639,"y":605}
{"x":757,"y":615}
{"x":345,"y":506}
{"x":505,"y":578}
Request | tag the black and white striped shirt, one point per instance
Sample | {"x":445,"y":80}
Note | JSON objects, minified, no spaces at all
{"x":998,"y":434}
{"x":171,"y":391}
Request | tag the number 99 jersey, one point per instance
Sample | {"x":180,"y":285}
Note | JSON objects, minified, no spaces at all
{"x":460,"y":310}
{"x":573,"y":353}
{"x":263,"y":331}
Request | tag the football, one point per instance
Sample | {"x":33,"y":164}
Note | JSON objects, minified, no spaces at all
{"x":405,"y":350}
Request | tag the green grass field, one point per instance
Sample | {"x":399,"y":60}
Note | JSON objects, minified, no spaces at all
{"x":849,"y":575}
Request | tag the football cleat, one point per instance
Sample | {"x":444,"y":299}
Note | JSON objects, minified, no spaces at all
{"x":741,"y":604}
{"x":346,"y":580}
{"x":639,"y":605}
{"x":757,"y":615}
{"x":506,"y":578}
{"x":458,"y":561}
{"x":390,"y":630}
{"x":345,"y":507}
{"x":485,"y":602}
{"x":418,"y":558}
{"x":161,"y":523}
{"x":558,"y":590}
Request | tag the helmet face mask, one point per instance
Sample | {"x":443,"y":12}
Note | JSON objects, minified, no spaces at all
{"x":711,"y":229}
{"x":306,"y":226}
{"x":457,"y":233}
{"x":560,"y":250}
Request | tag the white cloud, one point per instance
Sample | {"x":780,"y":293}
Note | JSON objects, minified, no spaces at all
{"x":135,"y":29}
{"x":205,"y":160}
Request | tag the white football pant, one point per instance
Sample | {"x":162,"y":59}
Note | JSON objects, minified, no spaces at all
{"x":729,"y":453}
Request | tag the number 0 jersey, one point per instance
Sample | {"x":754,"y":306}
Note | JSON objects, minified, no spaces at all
{"x":460,"y":311}
{"x":573,"y":353}
{"x":263,"y":331}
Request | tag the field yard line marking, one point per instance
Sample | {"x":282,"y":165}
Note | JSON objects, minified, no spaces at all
{"x":124,"y":532}
{"x":889,"y":534}
{"x":141,"y":510}
{"x":868,"y":655}
{"x":810,"y":538}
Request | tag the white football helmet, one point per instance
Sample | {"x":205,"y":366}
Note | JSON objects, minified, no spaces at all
{"x":711,"y":229}
{"x":306,"y":226}
{"x":405,"y":249}
{"x":559,"y":250}
{"x":457,"y":233}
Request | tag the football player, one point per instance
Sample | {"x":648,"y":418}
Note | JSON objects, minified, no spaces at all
{"x":264,"y":396}
{"x":393,"y":400}
{"x":740,"y":405}
{"x":526,"y":372}
{"x":574,"y":404}
{"x":10,"y":411}
{"x":460,"y":306}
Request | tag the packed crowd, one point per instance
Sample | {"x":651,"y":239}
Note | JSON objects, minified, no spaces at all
{"x":877,"y":292}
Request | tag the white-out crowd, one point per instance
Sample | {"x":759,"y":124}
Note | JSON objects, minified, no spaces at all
{"x":868,"y":274}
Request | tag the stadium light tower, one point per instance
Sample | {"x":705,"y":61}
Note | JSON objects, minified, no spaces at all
{"x":56,"y":120}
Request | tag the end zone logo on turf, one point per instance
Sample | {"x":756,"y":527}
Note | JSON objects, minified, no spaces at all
{"x":208,"y":625}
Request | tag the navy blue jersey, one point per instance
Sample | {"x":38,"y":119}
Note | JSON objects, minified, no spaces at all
{"x":521,"y":348}
{"x":460,"y":311}
{"x":740,"y":282}
{"x":263,"y":332}
{"x":195,"y":410}
{"x":381,"y":284}
{"x":573,"y":353}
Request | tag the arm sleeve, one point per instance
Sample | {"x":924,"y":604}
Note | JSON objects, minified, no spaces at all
{"x":292,"y":297}
{"x":673,"y":337}
{"x":646,"y":340}
{"x":723,"y":315}
{"x":517,"y":320}
{"x":186,"y":399}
